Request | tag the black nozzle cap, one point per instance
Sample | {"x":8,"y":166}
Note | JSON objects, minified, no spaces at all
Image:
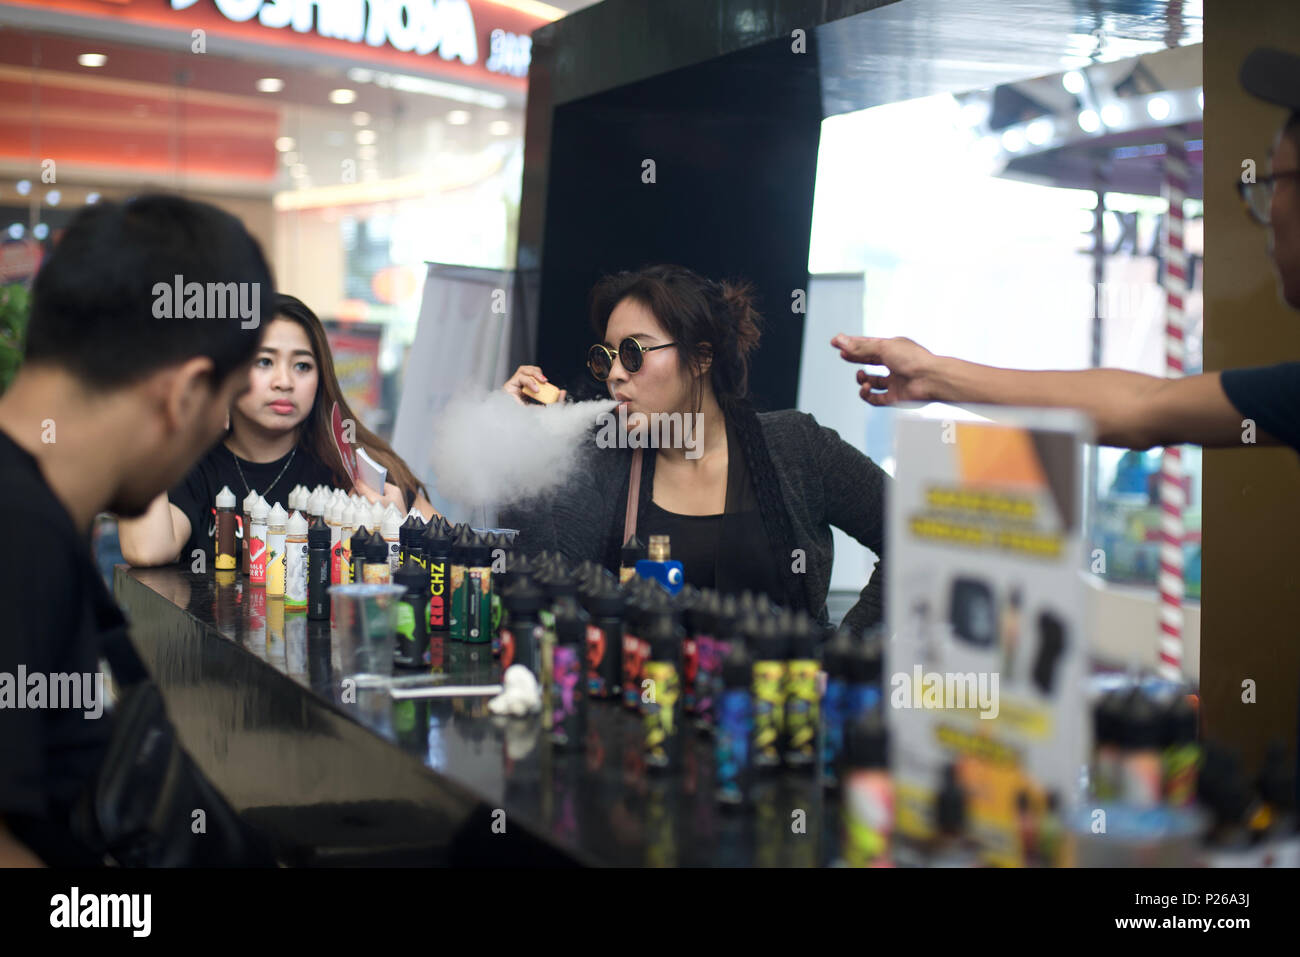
{"x":950,"y":804}
{"x":867,"y":742}
{"x":412,"y":577}
{"x":318,"y":533}
{"x":737,"y":669}
{"x":633,"y":551}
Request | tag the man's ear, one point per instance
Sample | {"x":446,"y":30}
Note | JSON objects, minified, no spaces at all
{"x":185,"y":391}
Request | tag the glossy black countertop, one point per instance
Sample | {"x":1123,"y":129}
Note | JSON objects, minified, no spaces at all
{"x":260,"y":702}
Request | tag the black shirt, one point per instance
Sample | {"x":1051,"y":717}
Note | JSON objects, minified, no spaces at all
{"x":727,"y":552}
{"x":196,"y":495}
{"x":1270,"y":395}
{"x":56,"y":610}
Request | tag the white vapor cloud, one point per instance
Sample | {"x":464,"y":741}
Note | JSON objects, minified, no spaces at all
{"x":489,"y":450}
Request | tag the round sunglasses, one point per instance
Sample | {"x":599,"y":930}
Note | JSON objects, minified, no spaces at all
{"x":600,"y":357}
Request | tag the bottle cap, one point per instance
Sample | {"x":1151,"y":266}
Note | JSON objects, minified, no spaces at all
{"x":523,"y":598}
{"x":225,"y":498}
{"x":413,"y":578}
{"x":867,"y":742}
{"x":803,"y":641}
{"x":318,"y":533}
{"x":350,"y":517}
{"x":950,"y":804}
{"x":633,"y":552}
{"x":249,"y":502}
{"x":297,"y":525}
{"x":376,"y":548}
{"x":663,"y":635}
{"x":317,"y":501}
{"x":377,"y":514}
{"x":260,"y":511}
{"x":839,"y":652}
{"x":737,"y":669}
{"x":359,"y":539}
{"x":392,"y":522}
{"x":867,"y":666}
{"x":570,"y":622}
{"x":277,"y":516}
{"x":1141,"y":727}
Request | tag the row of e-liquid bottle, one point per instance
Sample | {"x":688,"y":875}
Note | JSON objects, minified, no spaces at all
{"x":447,"y":570}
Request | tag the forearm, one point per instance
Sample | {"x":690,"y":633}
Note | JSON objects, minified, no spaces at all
{"x":151,"y":539}
{"x":1112,"y":398}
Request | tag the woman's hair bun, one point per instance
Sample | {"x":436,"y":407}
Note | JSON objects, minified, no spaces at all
{"x":739,"y":299}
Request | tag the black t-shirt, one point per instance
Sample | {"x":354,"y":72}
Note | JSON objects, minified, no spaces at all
{"x":1270,"y":395}
{"x":727,"y":552}
{"x":56,"y":609}
{"x":196,"y":495}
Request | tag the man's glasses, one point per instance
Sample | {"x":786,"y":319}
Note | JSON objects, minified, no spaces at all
{"x":1258,"y":196}
{"x":600,"y":357}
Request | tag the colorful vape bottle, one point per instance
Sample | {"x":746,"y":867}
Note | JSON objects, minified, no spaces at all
{"x":802,"y":700}
{"x":225,"y":558}
{"x":661,"y":706}
{"x":734,"y":728}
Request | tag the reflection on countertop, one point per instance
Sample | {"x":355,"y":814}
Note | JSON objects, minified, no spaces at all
{"x":261,"y":701}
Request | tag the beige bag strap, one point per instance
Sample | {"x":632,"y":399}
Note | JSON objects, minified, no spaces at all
{"x":633,"y":497}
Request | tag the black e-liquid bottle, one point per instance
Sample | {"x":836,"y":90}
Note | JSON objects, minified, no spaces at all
{"x":318,"y":569}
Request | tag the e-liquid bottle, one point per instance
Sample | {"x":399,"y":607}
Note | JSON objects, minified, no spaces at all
{"x":316,"y":503}
{"x":225,"y":556}
{"x":412,"y":643}
{"x":478,"y":590}
{"x":723,"y":614}
{"x":517,"y":567}
{"x":257,"y":542}
{"x":318,"y":569}
{"x":459,"y":547}
{"x":521,"y":634}
{"x":633,"y":622}
{"x":275,"y":547}
{"x":347,"y":529}
{"x":334,"y":519}
{"x":839,"y":653}
{"x":866,"y":671}
{"x":951,"y":846}
{"x":359,"y":550}
{"x":868,"y":793}
{"x":377,"y":570}
{"x":1140,"y":755}
{"x":605,"y":641}
{"x":437,"y":556}
{"x":735,"y":728}
{"x":768,"y":651}
{"x":388,"y":530}
{"x":696,"y":654}
{"x":1181,"y":754}
{"x":633,"y":552}
{"x":1108,"y":718}
{"x":404,"y":532}
{"x":568,"y":695}
{"x":1051,"y":833}
{"x":245,"y":532}
{"x":801,"y":697}
{"x":295,"y":562}
{"x":660,"y":700}
{"x":688,"y":599}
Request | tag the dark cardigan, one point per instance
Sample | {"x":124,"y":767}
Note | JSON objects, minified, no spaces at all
{"x":806,"y":479}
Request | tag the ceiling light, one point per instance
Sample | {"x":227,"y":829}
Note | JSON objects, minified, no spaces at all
{"x":458,"y":117}
{"x":270,"y":84}
{"x":361,"y":118}
{"x":1157,"y":108}
{"x":366,"y":137}
{"x":1039,"y":131}
{"x":1073,"y":82}
{"x":284,"y":144}
{"x":343,"y":97}
{"x":92,"y":59}
{"x":1112,"y":114}
{"x":1013,"y":140}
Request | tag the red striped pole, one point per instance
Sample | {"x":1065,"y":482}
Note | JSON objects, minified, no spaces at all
{"x":1173,"y":484}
